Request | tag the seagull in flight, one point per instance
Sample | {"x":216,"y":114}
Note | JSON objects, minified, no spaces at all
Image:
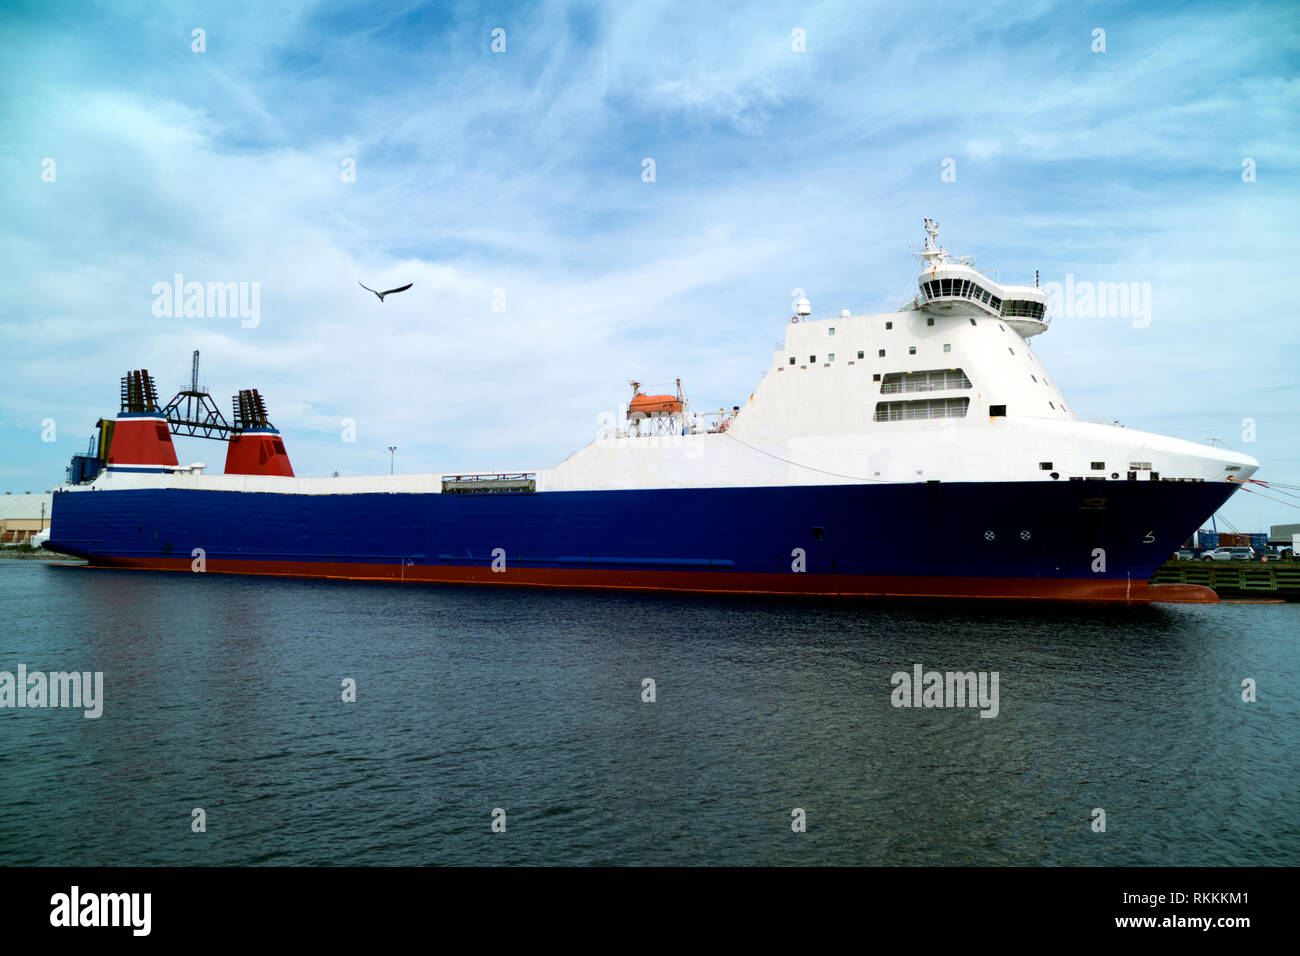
{"x":388,"y":292}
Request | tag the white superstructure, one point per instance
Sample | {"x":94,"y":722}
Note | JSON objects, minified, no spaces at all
{"x":947,"y":388}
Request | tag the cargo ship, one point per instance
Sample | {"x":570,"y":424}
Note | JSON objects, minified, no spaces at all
{"x":924,"y":452}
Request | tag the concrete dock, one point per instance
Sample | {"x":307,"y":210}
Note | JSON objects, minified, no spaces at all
{"x":1277,"y":579}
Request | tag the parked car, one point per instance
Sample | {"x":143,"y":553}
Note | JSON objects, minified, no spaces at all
{"x":1183,"y":555}
{"x":1229,"y":554}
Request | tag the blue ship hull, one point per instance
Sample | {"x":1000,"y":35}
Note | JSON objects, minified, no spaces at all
{"x":1069,"y":539}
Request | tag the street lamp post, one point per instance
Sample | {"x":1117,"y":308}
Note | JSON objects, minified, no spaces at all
{"x":392,"y":459}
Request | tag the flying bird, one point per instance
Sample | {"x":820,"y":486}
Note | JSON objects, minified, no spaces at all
{"x":388,"y":292}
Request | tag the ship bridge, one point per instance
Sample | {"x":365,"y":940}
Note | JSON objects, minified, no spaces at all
{"x":952,"y":286}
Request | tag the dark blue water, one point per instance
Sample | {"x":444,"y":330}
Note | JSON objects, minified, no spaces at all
{"x":224,"y":693}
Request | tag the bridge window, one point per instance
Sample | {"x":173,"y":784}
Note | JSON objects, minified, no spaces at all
{"x":1022,"y":308}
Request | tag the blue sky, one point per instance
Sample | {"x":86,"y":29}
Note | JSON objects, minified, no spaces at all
{"x":522,"y":172}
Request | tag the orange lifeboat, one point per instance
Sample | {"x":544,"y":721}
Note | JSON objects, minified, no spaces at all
{"x":653,"y":406}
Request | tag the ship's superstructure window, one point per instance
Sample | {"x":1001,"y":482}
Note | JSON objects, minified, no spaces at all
{"x":1011,"y":350}
{"x":888,"y":326}
{"x":812,"y":359}
{"x":911,"y":350}
{"x":947,"y":347}
{"x":961,"y":289}
{"x":830,"y":357}
{"x":859,"y":353}
{"x":1013,"y":308}
{"x":1045,"y":465}
{"x":930,"y":380}
{"x":1098,"y":466}
{"x":929,"y":321}
{"x":997,"y":411}
{"x":791,"y":359}
{"x":972,"y":321}
{"x":876,"y":377}
{"x":832,"y":330}
{"x":1034,"y":377}
{"x":1140,"y":465}
{"x":882,"y":353}
{"x":922,"y":408}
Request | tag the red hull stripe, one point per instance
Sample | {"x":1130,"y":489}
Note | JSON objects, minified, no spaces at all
{"x":818,"y":585}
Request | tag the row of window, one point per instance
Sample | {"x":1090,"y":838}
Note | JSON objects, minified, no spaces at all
{"x":930,"y":380}
{"x":923,"y":408}
{"x":1024,"y":308}
{"x":830,"y":357}
{"x":966,"y":289}
{"x":961,"y":289}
